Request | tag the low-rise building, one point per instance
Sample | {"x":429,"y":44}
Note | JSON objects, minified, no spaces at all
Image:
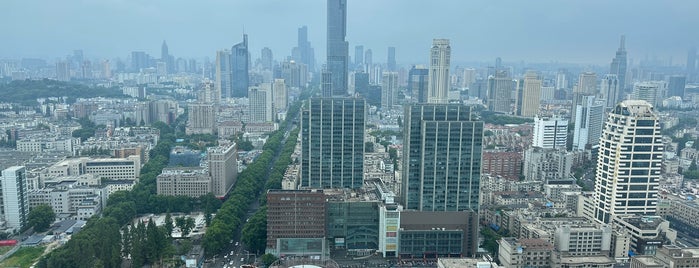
{"x":192,"y":182}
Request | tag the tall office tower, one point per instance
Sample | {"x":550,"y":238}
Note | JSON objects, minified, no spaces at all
{"x":442,"y":158}
{"x":418,"y":78}
{"x":618,"y":65}
{"x":391,"y":61}
{"x":469,"y":77}
{"x":326,"y":83}
{"x":332,"y":143}
{"x":588,"y":124}
{"x":139,"y":60}
{"x":531,"y":94}
{"x":223,"y":73}
{"x":609,"y":89}
{"x":337,"y":47}
{"x":165,"y":56}
{"x":368,"y":61}
{"x":438,"y":83}
{"x":201,"y":118}
{"x":550,"y":132}
{"x":648,"y":91}
{"x":562,"y":79}
{"x":389,"y":90}
{"x":358,"y":57}
{"x":223,"y":167}
{"x":675,"y":86}
{"x":192,"y":66}
{"x":261,"y":103}
{"x":499,"y":91}
{"x":498,"y":64}
{"x":86,"y":70}
{"x":240,"y":62}
{"x":281,"y":95}
{"x":266,"y":58}
{"x":15,"y":202}
{"x":106,"y":69}
{"x":629,"y":162}
{"x":691,"y":64}
{"x":587,"y":85}
{"x":296,"y":217}
{"x":163,"y":110}
{"x":62,"y":71}
{"x":294,"y":74}
{"x":303,"y":52}
{"x":361,"y":84}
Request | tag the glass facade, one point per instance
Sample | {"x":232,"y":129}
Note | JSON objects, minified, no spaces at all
{"x":356,"y":222}
{"x":431,"y":243}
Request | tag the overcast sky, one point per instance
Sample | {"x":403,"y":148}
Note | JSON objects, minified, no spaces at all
{"x":541,"y":31}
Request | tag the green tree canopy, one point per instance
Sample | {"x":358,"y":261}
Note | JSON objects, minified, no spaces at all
{"x":41,"y":217}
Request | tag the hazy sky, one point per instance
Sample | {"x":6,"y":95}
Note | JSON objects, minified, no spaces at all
{"x":542,"y":31}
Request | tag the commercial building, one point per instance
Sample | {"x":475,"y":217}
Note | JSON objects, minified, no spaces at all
{"x":418,"y":78}
{"x":261,"y":108}
{"x":629,"y":162}
{"x":588,"y":123}
{"x":550,"y":132}
{"x":296,"y":223}
{"x":499,"y":92}
{"x":527,"y":252}
{"x":201,"y":118}
{"x":223,"y":167}
{"x":531,"y":93}
{"x":337,"y":47}
{"x":433,"y":234}
{"x":192,"y":182}
{"x":547,"y":164}
{"x":668,"y":256}
{"x":438,"y":83}
{"x":240,"y":62}
{"x":332,"y":143}
{"x":389,"y":90}
{"x":619,"y":63}
{"x":441,"y":158}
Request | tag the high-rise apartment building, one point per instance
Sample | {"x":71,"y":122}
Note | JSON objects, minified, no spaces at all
{"x":531,"y":94}
{"x":441,"y":158}
{"x":676,"y":84}
{"x":438,"y":83}
{"x":305,"y":53}
{"x":609,"y":88}
{"x":418,"y":78}
{"x":337,"y":47}
{"x":358,"y":56}
{"x":223,"y":73}
{"x":223,"y":167}
{"x":389,"y":90}
{"x":618,"y":65}
{"x":368,"y":61}
{"x":201,"y":118}
{"x":261,"y":103}
{"x":266,"y":58}
{"x":240,"y":62}
{"x":628,"y":163}
{"x":15,"y":202}
{"x":587,"y":85}
{"x":550,"y":132}
{"x":332,"y":143}
{"x":499,"y":92}
{"x":62,"y":71}
{"x":281,"y":95}
{"x":391,"y":61}
{"x":588,"y":123}
{"x":651,"y":91}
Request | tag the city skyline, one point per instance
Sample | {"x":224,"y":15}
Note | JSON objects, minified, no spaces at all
{"x":99,"y":27}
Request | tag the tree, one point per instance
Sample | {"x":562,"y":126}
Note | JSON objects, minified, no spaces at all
{"x":186,"y":224}
{"x":267,"y":259}
{"x":245,"y":145}
{"x":41,"y":217}
{"x":169,"y":226}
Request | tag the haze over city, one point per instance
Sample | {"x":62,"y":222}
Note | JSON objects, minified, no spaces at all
{"x":534,"y":31}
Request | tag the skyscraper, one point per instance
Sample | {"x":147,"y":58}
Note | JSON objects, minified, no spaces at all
{"x":337,"y":47}
{"x":676,"y":85}
{"x":326,"y":83}
{"x":389,"y":90}
{"x":332,"y":143}
{"x":261,"y":103}
{"x":240,"y":62}
{"x":629,"y":162}
{"x":358,"y":57}
{"x":368,"y":61}
{"x":223,"y":73}
{"x":587,"y":85}
{"x":531,"y":94}
{"x":691,"y":64}
{"x":499,"y":91}
{"x":304,"y":50}
{"x":391,"y":61}
{"x":223,"y":167}
{"x":588,"y":124}
{"x":266,"y":58}
{"x":418,"y":77}
{"x":609,"y":88}
{"x":441,"y":158}
{"x":438,"y":85}
{"x":618,"y":65}
{"x":62,"y":71}
{"x":650,"y":91}
{"x":15,"y":202}
{"x":281,"y":95}
{"x":201,"y":118}
{"x":550,"y":132}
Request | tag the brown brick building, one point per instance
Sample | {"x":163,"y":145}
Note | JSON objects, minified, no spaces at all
{"x":295,"y":214}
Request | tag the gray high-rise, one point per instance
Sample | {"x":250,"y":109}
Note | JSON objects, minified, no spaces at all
{"x":391,"y":61}
{"x":303,"y":51}
{"x":441,"y":158}
{"x":499,"y":92}
{"x":417,"y":83}
{"x":223,"y":74}
{"x":332,"y":143}
{"x":618,"y":65}
{"x":691,"y":64}
{"x":337,"y":47}
{"x":240,"y":62}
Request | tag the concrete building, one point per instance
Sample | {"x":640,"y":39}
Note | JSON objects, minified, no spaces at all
{"x":652,"y":92}
{"x":15,"y":201}
{"x":531,"y":93}
{"x":44,"y":143}
{"x":433,"y":234}
{"x":588,"y":124}
{"x":332,"y":143}
{"x":629,"y":162}
{"x":261,"y":108}
{"x":669,"y":256}
{"x":647,"y":233}
{"x":535,"y":253}
{"x":550,"y":132}
{"x":438,"y":83}
{"x":389,"y":90}
{"x":337,"y":48}
{"x":546,"y":165}
{"x":418,"y":78}
{"x":502,"y":163}
{"x":426,"y":184}
{"x":587,"y":85}
{"x":499,"y":92}
{"x":201,"y":118}
{"x":223,"y":167}
{"x":280,"y":96}
{"x":296,"y":222}
{"x":69,"y":197}
{"x":192,"y":182}
{"x":609,"y":89}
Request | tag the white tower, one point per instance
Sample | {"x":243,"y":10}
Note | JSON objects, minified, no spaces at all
{"x":438,"y":85}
